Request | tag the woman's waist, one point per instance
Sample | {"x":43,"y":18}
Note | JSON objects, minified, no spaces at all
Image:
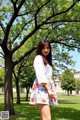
{"x":46,"y":76}
{"x":49,"y":78}
{"x":50,"y":83}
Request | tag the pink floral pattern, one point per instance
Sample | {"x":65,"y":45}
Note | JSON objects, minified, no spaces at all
{"x":40,"y":95}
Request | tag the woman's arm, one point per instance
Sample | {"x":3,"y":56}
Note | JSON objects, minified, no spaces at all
{"x":39,"y":69}
{"x":50,"y":93}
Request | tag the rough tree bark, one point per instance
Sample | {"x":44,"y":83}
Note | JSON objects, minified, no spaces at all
{"x":8,"y":97}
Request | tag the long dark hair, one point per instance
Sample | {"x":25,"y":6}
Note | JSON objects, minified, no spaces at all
{"x":40,"y":46}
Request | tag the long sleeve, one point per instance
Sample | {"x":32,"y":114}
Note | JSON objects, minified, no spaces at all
{"x":39,"y":69}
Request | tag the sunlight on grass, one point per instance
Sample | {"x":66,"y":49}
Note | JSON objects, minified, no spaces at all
{"x":68,"y":109}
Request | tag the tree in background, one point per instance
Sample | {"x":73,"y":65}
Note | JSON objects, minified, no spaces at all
{"x":27,"y":77}
{"x":68,"y":81}
{"x":20,"y":20}
{"x":77,"y":81}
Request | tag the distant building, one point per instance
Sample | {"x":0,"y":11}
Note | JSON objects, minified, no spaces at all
{"x":77,"y":75}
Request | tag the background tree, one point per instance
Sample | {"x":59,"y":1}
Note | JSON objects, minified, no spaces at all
{"x":77,"y":81}
{"x":68,"y":81}
{"x":20,"y":20}
{"x":27,"y":77}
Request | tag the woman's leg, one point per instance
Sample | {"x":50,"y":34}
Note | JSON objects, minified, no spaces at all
{"x":44,"y":111}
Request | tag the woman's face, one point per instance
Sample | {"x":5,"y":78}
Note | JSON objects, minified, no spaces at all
{"x":45,"y":50}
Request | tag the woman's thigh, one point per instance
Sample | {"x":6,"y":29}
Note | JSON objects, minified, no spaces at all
{"x":44,"y":111}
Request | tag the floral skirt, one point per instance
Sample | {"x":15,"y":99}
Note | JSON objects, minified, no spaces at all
{"x":39,"y":94}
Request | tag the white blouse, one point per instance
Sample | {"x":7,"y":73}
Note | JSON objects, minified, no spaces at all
{"x":42,"y":71}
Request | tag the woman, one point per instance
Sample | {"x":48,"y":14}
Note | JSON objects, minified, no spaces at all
{"x":43,"y":91}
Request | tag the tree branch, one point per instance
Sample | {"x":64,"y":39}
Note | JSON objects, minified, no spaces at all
{"x":39,"y":8}
{"x":57,"y":21}
{"x":14,"y":3}
{"x":50,"y":30}
{"x":23,"y":56}
{"x":56,"y":14}
{"x":18,"y":73}
{"x":21,"y":30}
{"x":14,"y":74}
{"x":3,"y":28}
{"x":25,"y":39}
{"x":20,"y":5}
{"x":19,"y":15}
{"x":73,"y":46}
{"x":15,"y":14}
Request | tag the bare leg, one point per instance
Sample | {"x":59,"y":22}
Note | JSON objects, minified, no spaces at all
{"x":44,"y":111}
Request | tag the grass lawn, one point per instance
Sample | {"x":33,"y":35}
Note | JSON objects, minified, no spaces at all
{"x":68,"y":109}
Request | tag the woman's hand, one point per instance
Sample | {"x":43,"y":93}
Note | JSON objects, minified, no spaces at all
{"x":50,"y":93}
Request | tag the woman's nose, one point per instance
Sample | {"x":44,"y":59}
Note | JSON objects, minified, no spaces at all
{"x":45,"y":49}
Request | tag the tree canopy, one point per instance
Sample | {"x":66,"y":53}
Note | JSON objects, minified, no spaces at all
{"x":68,"y":81}
{"x":57,"y":21}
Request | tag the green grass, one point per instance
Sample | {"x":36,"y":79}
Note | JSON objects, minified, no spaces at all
{"x":68,"y":109}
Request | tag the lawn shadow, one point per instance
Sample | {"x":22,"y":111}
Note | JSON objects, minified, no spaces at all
{"x":27,"y":112}
{"x":1,"y":107}
{"x":62,"y":113}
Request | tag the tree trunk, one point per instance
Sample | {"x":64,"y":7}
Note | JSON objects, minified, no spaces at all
{"x":71,"y":92}
{"x":8,"y":93}
{"x":67,"y":92}
{"x":77,"y":92}
{"x":17,"y":90}
{"x":27,"y":92}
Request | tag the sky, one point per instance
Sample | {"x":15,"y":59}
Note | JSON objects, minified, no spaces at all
{"x":76,"y":58}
